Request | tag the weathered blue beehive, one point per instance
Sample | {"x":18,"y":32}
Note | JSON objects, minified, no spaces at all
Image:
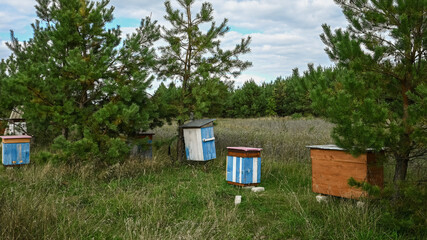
{"x":244,"y":166}
{"x":141,"y":151}
{"x":15,"y":150}
{"x":199,"y":140}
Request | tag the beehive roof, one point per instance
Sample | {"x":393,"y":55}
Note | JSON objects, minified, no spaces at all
{"x":333,"y":147}
{"x":245,"y":149}
{"x":197,"y":123}
{"x":16,"y":113}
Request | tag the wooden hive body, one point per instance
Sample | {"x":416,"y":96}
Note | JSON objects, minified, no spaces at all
{"x":243,"y":166}
{"x":332,"y":168}
{"x":15,"y":150}
{"x":199,"y":140}
{"x":140,"y":151}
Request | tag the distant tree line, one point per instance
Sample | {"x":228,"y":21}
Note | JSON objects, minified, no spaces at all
{"x":282,"y":97}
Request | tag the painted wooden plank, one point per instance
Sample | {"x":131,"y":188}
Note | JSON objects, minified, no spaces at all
{"x":15,"y":153}
{"x":245,"y":149}
{"x":339,"y":171}
{"x":16,"y":137}
{"x":244,"y":154}
{"x":193,"y":144}
{"x":209,"y":151}
{"x":255,"y":170}
{"x":229,"y":171}
{"x":352,"y":193}
{"x":239,"y":170}
{"x":23,"y":140}
{"x":234,"y":178}
{"x":244,"y":171}
{"x":248,"y":170}
{"x":337,"y":156}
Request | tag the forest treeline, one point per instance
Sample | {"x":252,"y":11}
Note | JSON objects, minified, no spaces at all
{"x":285,"y":96}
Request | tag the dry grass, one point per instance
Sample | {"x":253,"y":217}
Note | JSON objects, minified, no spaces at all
{"x":154,"y":199}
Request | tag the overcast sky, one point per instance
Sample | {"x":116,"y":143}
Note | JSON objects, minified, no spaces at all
{"x":285,"y":33}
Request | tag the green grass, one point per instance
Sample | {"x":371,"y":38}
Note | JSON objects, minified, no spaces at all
{"x":155,"y":199}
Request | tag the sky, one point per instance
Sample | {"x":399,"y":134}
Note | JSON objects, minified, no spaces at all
{"x":285,"y":33}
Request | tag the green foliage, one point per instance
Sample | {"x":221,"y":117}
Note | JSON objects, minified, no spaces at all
{"x":80,"y":82}
{"x":372,"y":190}
{"x":406,"y":214}
{"x":374,"y":101}
{"x":7,"y":68}
{"x":166,"y":98}
{"x":196,"y":60}
{"x":105,"y":151}
{"x":248,"y":101}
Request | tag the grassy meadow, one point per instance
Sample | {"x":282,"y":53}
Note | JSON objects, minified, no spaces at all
{"x":155,"y":199}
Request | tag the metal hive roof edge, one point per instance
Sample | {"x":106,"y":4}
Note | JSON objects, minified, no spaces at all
{"x":197,"y":123}
{"x":334,"y":147}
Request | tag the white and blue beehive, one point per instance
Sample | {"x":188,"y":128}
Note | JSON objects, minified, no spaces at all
{"x":141,"y":151}
{"x":15,"y":150}
{"x":199,"y":140}
{"x":244,"y":166}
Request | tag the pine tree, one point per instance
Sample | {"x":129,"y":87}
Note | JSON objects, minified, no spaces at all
{"x":7,"y":68}
{"x":79,"y":81}
{"x":379,"y":101}
{"x":196,"y":60}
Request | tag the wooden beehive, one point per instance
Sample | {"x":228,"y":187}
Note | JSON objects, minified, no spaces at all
{"x":15,"y":150}
{"x":332,"y":167}
{"x":243,"y":166}
{"x":139,"y":150}
{"x":199,"y":140}
{"x":16,"y":124}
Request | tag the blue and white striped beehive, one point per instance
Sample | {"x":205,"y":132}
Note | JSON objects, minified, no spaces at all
{"x":244,"y":166}
{"x":15,"y":150}
{"x":199,"y":140}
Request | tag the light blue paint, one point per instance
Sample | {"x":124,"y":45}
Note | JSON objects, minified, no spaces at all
{"x":208,"y":147}
{"x":187,"y":152}
{"x":229,"y":169}
{"x":237,"y":170}
{"x":16,"y":153}
{"x":149,"y":152}
{"x":248,"y":170}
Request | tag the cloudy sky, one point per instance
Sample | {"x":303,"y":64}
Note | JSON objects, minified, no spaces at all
{"x":285,"y":33}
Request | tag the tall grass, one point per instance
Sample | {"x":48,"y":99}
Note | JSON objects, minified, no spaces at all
{"x":154,"y":199}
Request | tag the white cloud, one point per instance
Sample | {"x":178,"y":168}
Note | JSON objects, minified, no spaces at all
{"x":240,"y":80}
{"x":4,"y":50}
{"x":285,"y":32}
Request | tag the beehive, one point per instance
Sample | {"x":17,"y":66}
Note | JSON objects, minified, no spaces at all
{"x":140,"y":151}
{"x":199,"y":140}
{"x":243,"y":166}
{"x":332,"y":167}
{"x":15,"y":150}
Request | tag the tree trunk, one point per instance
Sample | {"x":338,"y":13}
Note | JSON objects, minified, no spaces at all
{"x":65,"y":133}
{"x":180,"y":143}
{"x":401,"y":169}
{"x":399,"y":174}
